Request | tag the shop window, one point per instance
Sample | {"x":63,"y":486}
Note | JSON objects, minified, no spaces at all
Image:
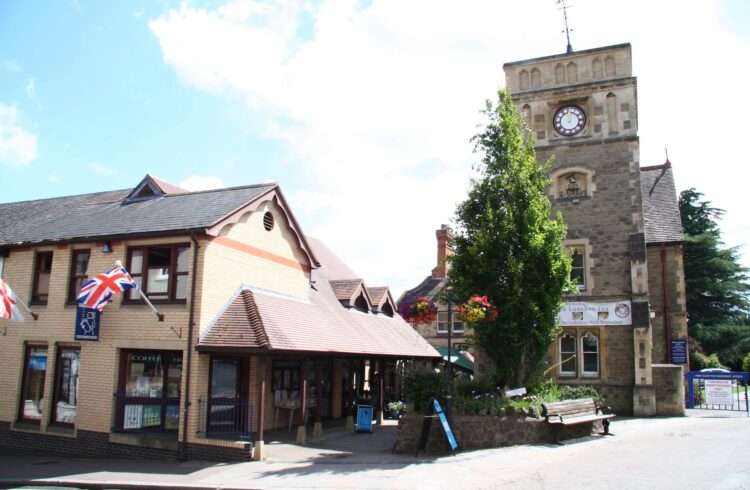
{"x":148,"y":398}
{"x":567,"y":355}
{"x":160,"y":271}
{"x":442,"y":323}
{"x":42,"y":271}
{"x":78,"y":273}
{"x":578,"y":265}
{"x":32,"y":392}
{"x":590,"y":352}
{"x":286,"y":375}
{"x":66,"y":386}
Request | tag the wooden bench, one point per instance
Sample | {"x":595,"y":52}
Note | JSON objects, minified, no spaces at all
{"x":572,"y":412}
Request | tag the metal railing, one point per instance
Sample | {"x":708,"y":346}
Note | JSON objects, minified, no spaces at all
{"x":221,"y":417}
{"x":718,"y":391}
{"x":144,"y":414}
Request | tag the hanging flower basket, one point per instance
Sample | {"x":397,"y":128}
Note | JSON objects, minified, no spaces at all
{"x":419,"y":311}
{"x":477,"y":309}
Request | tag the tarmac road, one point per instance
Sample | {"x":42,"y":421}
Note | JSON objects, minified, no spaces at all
{"x":705,"y":450}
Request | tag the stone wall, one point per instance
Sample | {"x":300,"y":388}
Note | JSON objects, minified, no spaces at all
{"x":484,"y":432}
{"x":670,"y":389}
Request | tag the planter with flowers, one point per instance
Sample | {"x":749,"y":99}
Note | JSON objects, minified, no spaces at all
{"x":419,"y":311}
{"x":477,"y":309}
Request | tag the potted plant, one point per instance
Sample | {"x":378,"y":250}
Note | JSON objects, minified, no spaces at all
{"x":419,"y":311}
{"x":395,"y":409}
{"x":477,"y":309}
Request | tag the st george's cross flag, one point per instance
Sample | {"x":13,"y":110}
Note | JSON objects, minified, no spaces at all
{"x":96,"y":292}
{"x":8,"y":304}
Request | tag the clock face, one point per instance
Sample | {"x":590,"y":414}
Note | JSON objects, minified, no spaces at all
{"x":569,"y":120}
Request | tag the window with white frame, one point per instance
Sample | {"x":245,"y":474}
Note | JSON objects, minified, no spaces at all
{"x":590,"y":353}
{"x":578,"y":265}
{"x":442,"y":323}
{"x":567,"y":345}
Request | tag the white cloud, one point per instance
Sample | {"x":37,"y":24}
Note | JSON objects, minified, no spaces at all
{"x":100,"y":169}
{"x":18,"y":146}
{"x":30,"y":88}
{"x":202,"y":183}
{"x":377,"y":104}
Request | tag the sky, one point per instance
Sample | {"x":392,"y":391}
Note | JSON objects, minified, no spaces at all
{"x":362,"y":111}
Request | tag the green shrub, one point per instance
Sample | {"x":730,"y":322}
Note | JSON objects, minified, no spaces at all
{"x":421,"y":384}
{"x":575,"y":392}
{"x":746,"y":363}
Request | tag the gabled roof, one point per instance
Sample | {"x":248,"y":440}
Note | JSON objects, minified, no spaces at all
{"x":151,"y":187}
{"x":348,"y":291}
{"x":316,"y":324}
{"x":381,"y":297}
{"x":428,"y":288}
{"x":661,"y":211}
{"x":107,"y":215}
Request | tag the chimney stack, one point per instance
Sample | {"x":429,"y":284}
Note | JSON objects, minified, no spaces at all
{"x":444,"y":250}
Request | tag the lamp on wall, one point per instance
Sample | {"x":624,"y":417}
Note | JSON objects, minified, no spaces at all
{"x":106,"y":247}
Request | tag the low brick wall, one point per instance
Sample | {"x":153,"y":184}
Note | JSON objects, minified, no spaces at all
{"x":90,"y":444}
{"x":669,"y":386}
{"x":484,"y":432}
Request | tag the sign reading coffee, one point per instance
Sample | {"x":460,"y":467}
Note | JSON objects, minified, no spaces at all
{"x":590,"y":314}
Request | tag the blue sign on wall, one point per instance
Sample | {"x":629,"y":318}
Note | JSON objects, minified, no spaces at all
{"x":679,"y":351}
{"x":446,"y":426}
{"x":87,"y":323}
{"x":364,"y":418}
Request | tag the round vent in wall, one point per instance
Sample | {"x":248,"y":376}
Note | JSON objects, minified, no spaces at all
{"x":268,"y":221}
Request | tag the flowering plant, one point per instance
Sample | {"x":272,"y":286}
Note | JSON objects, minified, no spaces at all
{"x":477,"y":309}
{"x":420,"y":310}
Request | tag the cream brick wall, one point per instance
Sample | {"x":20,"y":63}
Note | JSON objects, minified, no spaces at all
{"x":227,"y":268}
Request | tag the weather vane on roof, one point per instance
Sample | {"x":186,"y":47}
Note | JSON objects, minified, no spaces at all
{"x":567,"y":30}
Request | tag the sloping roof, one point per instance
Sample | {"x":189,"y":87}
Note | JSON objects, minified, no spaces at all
{"x":427,"y":286}
{"x":345,"y":288}
{"x":318,"y":323}
{"x":661,"y":211}
{"x":378,"y":295}
{"x":105,"y":214}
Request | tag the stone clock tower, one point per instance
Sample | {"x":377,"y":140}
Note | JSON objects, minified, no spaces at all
{"x":582,"y":108}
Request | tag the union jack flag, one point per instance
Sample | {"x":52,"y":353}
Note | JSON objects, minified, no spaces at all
{"x":8,"y":308}
{"x":97,"y":291}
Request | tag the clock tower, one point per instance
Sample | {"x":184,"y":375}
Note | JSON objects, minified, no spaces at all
{"x":582,"y":109}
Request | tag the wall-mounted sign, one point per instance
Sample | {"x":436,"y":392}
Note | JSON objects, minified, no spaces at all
{"x":87,"y":323}
{"x":593,"y":314}
{"x":679,"y":351}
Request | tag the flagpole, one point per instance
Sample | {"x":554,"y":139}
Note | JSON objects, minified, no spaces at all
{"x":34,"y":315}
{"x":145,"y":298}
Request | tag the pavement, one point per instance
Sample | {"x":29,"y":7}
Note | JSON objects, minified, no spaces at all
{"x":704,"y":450}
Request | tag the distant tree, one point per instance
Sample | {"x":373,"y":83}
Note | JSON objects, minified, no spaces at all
{"x":507,"y":247}
{"x":730,"y":341}
{"x":716,"y":283}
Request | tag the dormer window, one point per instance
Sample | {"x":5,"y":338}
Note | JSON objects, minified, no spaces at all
{"x":360,"y":304}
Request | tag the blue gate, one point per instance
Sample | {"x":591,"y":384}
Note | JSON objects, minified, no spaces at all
{"x":718,"y":391}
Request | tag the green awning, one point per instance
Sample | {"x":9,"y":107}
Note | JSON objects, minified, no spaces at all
{"x":457,"y":359}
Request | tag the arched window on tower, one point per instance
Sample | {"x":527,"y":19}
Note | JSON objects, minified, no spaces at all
{"x":536,"y":78}
{"x":612,"y":112}
{"x":572,"y":72}
{"x":609,"y":66}
{"x":526,"y":111}
{"x":559,"y":74}
{"x":596,"y":69}
{"x":523,"y":80}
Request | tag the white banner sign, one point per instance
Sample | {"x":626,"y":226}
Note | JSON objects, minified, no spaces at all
{"x":719,"y":392}
{"x":592,"y":314}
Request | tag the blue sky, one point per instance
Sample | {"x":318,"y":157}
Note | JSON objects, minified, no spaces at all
{"x":362,"y":111}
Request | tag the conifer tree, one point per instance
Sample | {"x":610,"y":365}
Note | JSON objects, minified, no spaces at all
{"x":507,"y":247}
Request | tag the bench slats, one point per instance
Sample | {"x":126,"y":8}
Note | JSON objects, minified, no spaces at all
{"x":571,"y":412}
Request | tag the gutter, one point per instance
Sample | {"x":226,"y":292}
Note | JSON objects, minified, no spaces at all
{"x":189,"y":353}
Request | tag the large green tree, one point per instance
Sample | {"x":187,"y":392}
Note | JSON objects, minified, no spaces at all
{"x":716,"y":283}
{"x":507,"y":247}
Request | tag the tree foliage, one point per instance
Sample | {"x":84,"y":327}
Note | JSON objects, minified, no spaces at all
{"x":507,"y":247}
{"x":716,"y":283}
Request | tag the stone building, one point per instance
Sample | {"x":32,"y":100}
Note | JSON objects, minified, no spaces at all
{"x":624,"y":231}
{"x":254,"y":331}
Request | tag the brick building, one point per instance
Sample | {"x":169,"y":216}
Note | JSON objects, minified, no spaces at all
{"x":256,"y":330}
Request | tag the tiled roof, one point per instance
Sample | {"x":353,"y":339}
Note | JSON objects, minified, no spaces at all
{"x":105,"y":214}
{"x":318,"y":323}
{"x":345,"y":288}
{"x":167,"y":187}
{"x":661,"y":212}
{"x":378,"y":295}
{"x":427,"y":286}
